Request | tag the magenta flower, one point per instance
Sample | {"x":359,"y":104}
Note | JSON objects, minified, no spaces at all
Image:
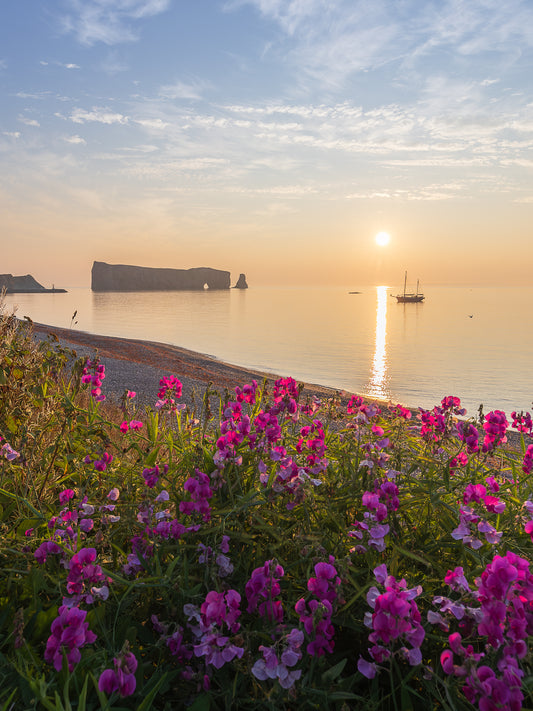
{"x":528,"y":528}
{"x":45,"y":549}
{"x":503,"y":618}
{"x":94,"y":374}
{"x":122,"y":677}
{"x":199,"y":489}
{"x":70,"y":633}
{"x":247,"y":394}
{"x":523,"y":423}
{"x":325,"y":585}
{"x":262,"y":588}
{"x":453,"y":404}
{"x":152,"y":475}
{"x":169,"y":386}
{"x":495,"y":427}
{"x":101,"y":464}
{"x":65,"y":496}
{"x":395,"y":623}
{"x":527,"y":463}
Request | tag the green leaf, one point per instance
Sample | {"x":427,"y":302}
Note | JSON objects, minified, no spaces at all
{"x":407,"y":702}
{"x":201,"y":703}
{"x":332,"y":673}
{"x":82,"y":703}
{"x":152,"y":457}
{"x":8,"y":706}
{"x":413,"y":556}
{"x":147,"y":701}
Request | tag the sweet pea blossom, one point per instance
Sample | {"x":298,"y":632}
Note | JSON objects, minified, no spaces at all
{"x":70,"y":633}
{"x":65,"y":496}
{"x":277,"y":660}
{"x":94,"y":374}
{"x":495,"y":427}
{"x":316,"y":614}
{"x":122,"y":677}
{"x":9,"y":453}
{"x":262,"y":588}
{"x":503,"y":618}
{"x":395,"y":621}
{"x":522,"y":422}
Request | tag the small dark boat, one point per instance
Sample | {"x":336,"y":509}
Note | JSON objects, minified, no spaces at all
{"x":409,"y":298}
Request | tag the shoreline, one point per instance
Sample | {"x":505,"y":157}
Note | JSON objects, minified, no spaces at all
{"x":138,"y":365}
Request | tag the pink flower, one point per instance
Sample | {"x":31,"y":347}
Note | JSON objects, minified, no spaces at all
{"x":528,"y":528}
{"x":523,"y":423}
{"x":101,"y":464}
{"x":8,"y":452}
{"x":527,"y":463}
{"x":262,"y":588}
{"x":495,"y":427}
{"x":122,"y":677}
{"x":65,"y":496}
{"x":70,"y":633}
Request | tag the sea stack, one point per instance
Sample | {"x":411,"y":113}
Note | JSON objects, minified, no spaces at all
{"x":241,"y":283}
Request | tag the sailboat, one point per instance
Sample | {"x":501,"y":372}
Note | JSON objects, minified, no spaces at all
{"x":409,"y":298}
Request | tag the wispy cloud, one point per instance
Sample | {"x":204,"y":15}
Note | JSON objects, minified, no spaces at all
{"x":155,"y":124}
{"x":330,"y":42}
{"x":28,"y":121}
{"x":109,"y":21}
{"x":184,"y":90}
{"x":75,"y":140}
{"x":68,"y":65}
{"x":98,"y":115}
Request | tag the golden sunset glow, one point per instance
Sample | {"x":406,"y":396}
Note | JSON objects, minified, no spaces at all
{"x":382,"y":239}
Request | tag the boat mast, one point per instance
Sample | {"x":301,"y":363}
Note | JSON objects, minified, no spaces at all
{"x":405,"y":283}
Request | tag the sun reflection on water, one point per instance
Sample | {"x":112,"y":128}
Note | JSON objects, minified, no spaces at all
{"x":377,"y":386}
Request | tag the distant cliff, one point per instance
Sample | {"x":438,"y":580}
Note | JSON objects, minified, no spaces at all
{"x":24,"y":285}
{"x":123,"y":277}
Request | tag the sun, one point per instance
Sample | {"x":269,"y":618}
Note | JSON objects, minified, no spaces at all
{"x":382,"y":239}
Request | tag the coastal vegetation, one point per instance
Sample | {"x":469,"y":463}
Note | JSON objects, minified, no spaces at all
{"x":259,"y":549}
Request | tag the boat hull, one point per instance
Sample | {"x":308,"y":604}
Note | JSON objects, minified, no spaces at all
{"x":409,"y":298}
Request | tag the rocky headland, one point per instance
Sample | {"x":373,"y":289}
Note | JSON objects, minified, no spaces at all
{"x":25,"y":285}
{"x":125,"y":277}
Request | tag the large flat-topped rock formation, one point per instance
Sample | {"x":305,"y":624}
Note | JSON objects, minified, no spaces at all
{"x":24,"y":285}
{"x":124,"y":277}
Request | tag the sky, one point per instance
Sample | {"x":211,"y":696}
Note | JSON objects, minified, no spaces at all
{"x":270,"y":137}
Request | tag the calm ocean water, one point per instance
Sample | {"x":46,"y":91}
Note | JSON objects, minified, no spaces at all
{"x":476,"y":343}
